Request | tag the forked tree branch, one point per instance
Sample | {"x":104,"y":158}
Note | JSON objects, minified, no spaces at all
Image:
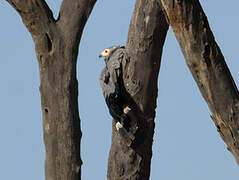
{"x":208,"y":67}
{"x":56,"y":45}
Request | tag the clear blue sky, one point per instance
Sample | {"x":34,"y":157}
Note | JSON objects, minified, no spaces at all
{"x":186,"y":143}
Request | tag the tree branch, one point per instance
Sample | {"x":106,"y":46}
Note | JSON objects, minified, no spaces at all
{"x":92,"y":3}
{"x":56,"y":48}
{"x":208,"y":67}
{"x":36,"y":15}
{"x":73,"y":13}
{"x":145,"y":42}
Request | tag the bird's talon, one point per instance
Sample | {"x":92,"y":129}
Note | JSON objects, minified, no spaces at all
{"x":118,"y":126}
{"x":127,"y":109}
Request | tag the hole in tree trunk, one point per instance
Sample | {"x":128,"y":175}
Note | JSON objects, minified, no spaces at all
{"x":49,"y":43}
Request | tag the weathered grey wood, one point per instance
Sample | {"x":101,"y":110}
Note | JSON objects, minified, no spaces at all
{"x":73,"y":16}
{"x":146,"y":37}
{"x":56,"y":44}
{"x":36,"y":15}
{"x":208,"y":67}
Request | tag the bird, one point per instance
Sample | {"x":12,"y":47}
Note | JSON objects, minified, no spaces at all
{"x":112,"y":85}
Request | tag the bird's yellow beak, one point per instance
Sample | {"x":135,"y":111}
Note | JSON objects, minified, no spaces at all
{"x":104,"y":53}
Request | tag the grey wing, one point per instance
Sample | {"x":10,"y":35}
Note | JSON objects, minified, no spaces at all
{"x":115,"y":77}
{"x":114,"y":68}
{"x":109,"y":82}
{"x":104,"y":80}
{"x":110,"y":85}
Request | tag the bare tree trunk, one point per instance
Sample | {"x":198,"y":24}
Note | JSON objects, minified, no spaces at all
{"x":56,"y":44}
{"x":208,"y":67}
{"x":147,"y":32}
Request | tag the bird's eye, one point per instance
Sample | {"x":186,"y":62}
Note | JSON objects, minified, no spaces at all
{"x":106,"y":51}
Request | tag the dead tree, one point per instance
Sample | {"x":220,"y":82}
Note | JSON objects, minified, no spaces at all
{"x":147,"y":32}
{"x":208,"y":67}
{"x":56,"y":45}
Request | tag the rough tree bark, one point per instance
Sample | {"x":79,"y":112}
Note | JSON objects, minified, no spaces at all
{"x":147,"y":32}
{"x":56,"y":45}
{"x":208,"y":67}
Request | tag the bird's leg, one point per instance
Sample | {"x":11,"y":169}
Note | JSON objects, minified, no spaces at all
{"x":124,"y":119}
{"x":123,"y":126}
{"x":129,"y":120}
{"x":122,"y":122}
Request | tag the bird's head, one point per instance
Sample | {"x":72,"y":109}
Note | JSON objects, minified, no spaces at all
{"x":109,"y":51}
{"x":105,"y":53}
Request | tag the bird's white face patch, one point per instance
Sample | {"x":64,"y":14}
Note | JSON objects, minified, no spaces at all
{"x":105,"y":53}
